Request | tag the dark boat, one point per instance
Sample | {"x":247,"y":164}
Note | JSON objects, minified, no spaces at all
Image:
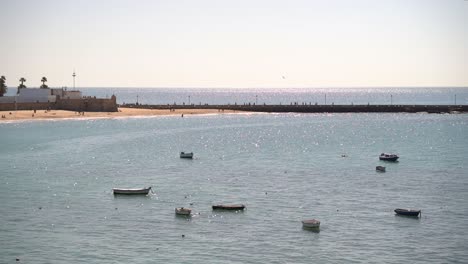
{"x":388,"y":157}
{"x":407,"y":212}
{"x":229,"y":207}
{"x":140,"y":191}
{"x":186,"y":155}
{"x":312,"y":223}
{"x":380,"y":168}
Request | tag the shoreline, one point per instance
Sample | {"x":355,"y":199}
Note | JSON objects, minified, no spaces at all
{"x":28,"y":115}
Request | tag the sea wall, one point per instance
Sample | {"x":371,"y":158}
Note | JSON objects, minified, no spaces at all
{"x":318,"y":108}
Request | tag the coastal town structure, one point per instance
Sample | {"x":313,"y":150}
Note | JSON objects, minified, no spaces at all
{"x":57,"y":99}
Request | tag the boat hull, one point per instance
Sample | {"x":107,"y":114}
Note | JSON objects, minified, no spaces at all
{"x":388,"y":157}
{"x":313,"y":223}
{"x":408,"y":212}
{"x":184,"y":155}
{"x":183,"y":211}
{"x":228,"y":207}
{"x":142,"y":191}
{"x":380,"y":169}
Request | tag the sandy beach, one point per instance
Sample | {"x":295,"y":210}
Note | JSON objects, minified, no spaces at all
{"x":123,"y":112}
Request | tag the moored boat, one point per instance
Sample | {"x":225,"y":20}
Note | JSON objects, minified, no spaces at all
{"x":380,"y":168}
{"x":388,"y":157}
{"x":311,"y":223}
{"x":140,"y":191}
{"x":228,"y":207}
{"x":184,"y":155}
{"x":407,"y":212}
{"x":183,"y":211}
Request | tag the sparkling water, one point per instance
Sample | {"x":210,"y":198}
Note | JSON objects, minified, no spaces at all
{"x":57,"y":205}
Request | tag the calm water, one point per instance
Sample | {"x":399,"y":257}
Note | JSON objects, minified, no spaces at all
{"x":57,"y":206}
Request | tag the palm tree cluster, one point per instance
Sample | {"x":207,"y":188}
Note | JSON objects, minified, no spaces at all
{"x":3,"y":87}
{"x":22,"y":80}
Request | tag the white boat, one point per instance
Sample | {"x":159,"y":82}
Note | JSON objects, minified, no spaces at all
{"x":183,"y":211}
{"x":141,"y":191}
{"x":312,"y":223}
{"x":187,"y":155}
{"x":380,"y":168}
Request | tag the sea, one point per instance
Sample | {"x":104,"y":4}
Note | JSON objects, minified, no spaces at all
{"x":56,"y":180}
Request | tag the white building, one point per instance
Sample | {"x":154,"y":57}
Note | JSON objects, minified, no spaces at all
{"x":64,"y":94}
{"x":41,"y":95}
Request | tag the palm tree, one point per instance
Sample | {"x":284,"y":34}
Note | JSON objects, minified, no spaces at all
{"x":3,"y":87}
{"x":44,"y":80}
{"x":22,"y":80}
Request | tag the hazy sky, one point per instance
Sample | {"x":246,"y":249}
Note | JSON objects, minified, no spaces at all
{"x":238,"y":43}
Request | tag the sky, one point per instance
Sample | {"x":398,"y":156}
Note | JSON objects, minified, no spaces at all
{"x":241,"y":43}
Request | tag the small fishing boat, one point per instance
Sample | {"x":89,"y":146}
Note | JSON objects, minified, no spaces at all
{"x":183,"y":211}
{"x":228,"y":207}
{"x":407,"y":212}
{"x":388,"y":157}
{"x":187,"y":155}
{"x":140,"y":191}
{"x":380,"y":168}
{"x":311,"y":223}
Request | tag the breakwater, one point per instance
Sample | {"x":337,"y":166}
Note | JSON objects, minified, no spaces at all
{"x":316,"y":108}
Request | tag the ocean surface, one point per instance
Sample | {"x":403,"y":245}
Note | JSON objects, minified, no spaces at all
{"x":57,"y":206}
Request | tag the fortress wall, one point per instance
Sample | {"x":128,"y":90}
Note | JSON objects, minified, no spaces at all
{"x":25,"y":106}
{"x":86,"y":105}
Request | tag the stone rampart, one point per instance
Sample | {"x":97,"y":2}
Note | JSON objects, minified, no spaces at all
{"x":24,"y":106}
{"x":87,"y":104}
